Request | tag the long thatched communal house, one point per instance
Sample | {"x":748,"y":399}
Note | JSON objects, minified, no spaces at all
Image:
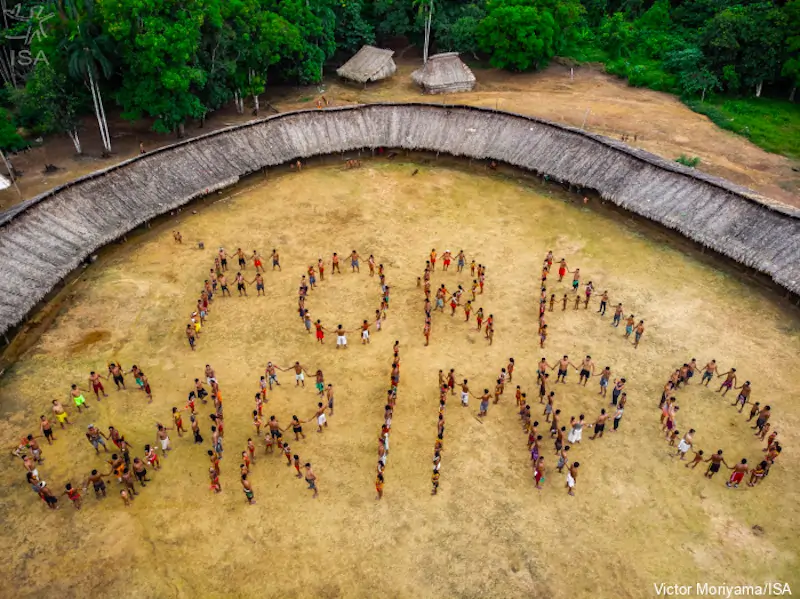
{"x":45,"y":238}
{"x":368,"y":64}
{"x":444,"y":74}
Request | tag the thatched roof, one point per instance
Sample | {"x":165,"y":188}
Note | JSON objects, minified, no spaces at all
{"x":45,"y":238}
{"x":444,"y":73}
{"x":368,"y":64}
{"x":4,"y":183}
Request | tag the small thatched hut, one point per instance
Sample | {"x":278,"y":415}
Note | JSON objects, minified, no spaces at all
{"x":443,"y":74}
{"x":368,"y":64}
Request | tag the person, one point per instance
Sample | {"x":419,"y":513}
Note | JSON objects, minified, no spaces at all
{"x":251,"y":451}
{"x":78,"y":398}
{"x":435,"y":482}
{"x":299,"y":374}
{"x":96,"y":437}
{"x":619,"y":385}
{"x":272,"y":375}
{"x":379,"y":486}
{"x":465,"y":394}
{"x":60,"y":414}
{"x":638,"y":333}
{"x":739,"y":470}
{"x":617,"y":316}
{"x":757,"y":474}
{"x":311,"y":479}
{"x":191,"y":336}
{"x":698,"y":457}
{"x":728,"y":383}
{"x":341,"y":337}
{"x":146,"y":387}
{"x":715,"y":461}
{"x":115,"y":370}
{"x":329,"y":396}
{"x":213,"y":476}
{"x":248,"y":490}
{"x":754,"y":410}
{"x":365,"y":332}
{"x":763,"y":417}
{"x":605,"y":375}
{"x":47,"y":429}
{"x":320,"y":417}
{"x":216,"y":440}
{"x":484,"y":403}
{"x":47,"y":495}
{"x":744,"y":395}
{"x":177,"y":418}
{"x":297,"y":428}
{"x":572,"y":478}
{"x":538,"y":472}
{"x":587,"y":370}
{"x":599,"y":425}
{"x":198,"y":437}
{"x":97,"y":384}
{"x":685,"y":444}
{"x":354,"y":257}
{"x":74,"y":496}
{"x":576,"y":279}
{"x":618,"y":416}
{"x":276,"y":259}
{"x":709,"y":372}
{"x":98,"y":484}
{"x":163,"y":437}
{"x":576,"y":430}
{"x":562,"y":364}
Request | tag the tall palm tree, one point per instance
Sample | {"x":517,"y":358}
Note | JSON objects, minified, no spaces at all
{"x":87,"y":50}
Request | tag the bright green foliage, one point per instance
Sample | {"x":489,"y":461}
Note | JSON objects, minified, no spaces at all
{"x":526,"y":34}
{"x":49,"y":103}
{"x":9,"y":138}
{"x":686,"y":161}
{"x":771,"y":124}
{"x":158,"y":43}
{"x":617,"y":36}
{"x":352,"y":29}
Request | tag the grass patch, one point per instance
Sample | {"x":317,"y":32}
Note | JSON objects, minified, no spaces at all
{"x":687,"y":161}
{"x":773,"y":125}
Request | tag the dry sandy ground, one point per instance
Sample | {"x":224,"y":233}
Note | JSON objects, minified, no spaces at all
{"x":660,"y":122}
{"x":639,"y":517}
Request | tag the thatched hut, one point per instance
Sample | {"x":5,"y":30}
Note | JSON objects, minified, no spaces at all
{"x":368,"y":64}
{"x":444,"y":74}
{"x":44,"y":238}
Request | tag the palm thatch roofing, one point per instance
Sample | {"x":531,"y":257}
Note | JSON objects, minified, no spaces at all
{"x":45,"y":238}
{"x":368,"y":64}
{"x":444,"y":73}
{"x":4,"y":183}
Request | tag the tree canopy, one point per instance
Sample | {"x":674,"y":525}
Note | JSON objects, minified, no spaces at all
{"x":173,"y":62}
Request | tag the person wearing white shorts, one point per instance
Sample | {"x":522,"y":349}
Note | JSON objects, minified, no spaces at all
{"x":464,"y":398}
{"x":341,"y":339}
{"x":364,"y":336}
{"x":299,"y":377}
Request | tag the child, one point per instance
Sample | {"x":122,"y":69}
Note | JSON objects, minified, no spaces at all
{"x":75,"y":496}
{"x":214,"y":477}
{"x":151,"y":457}
{"x":435,"y":482}
{"x":126,"y":499}
{"x":297,"y":466}
{"x":251,"y":449}
{"x":379,"y":486}
{"x":288,"y":453}
{"x":698,"y":457}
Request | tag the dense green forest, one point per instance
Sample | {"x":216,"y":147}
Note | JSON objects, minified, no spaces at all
{"x":177,"y":61}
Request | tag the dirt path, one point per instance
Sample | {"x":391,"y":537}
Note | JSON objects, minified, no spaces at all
{"x":660,"y":123}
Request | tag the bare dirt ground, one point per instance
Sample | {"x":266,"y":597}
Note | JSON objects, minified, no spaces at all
{"x":639,"y":517}
{"x":660,"y":122}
